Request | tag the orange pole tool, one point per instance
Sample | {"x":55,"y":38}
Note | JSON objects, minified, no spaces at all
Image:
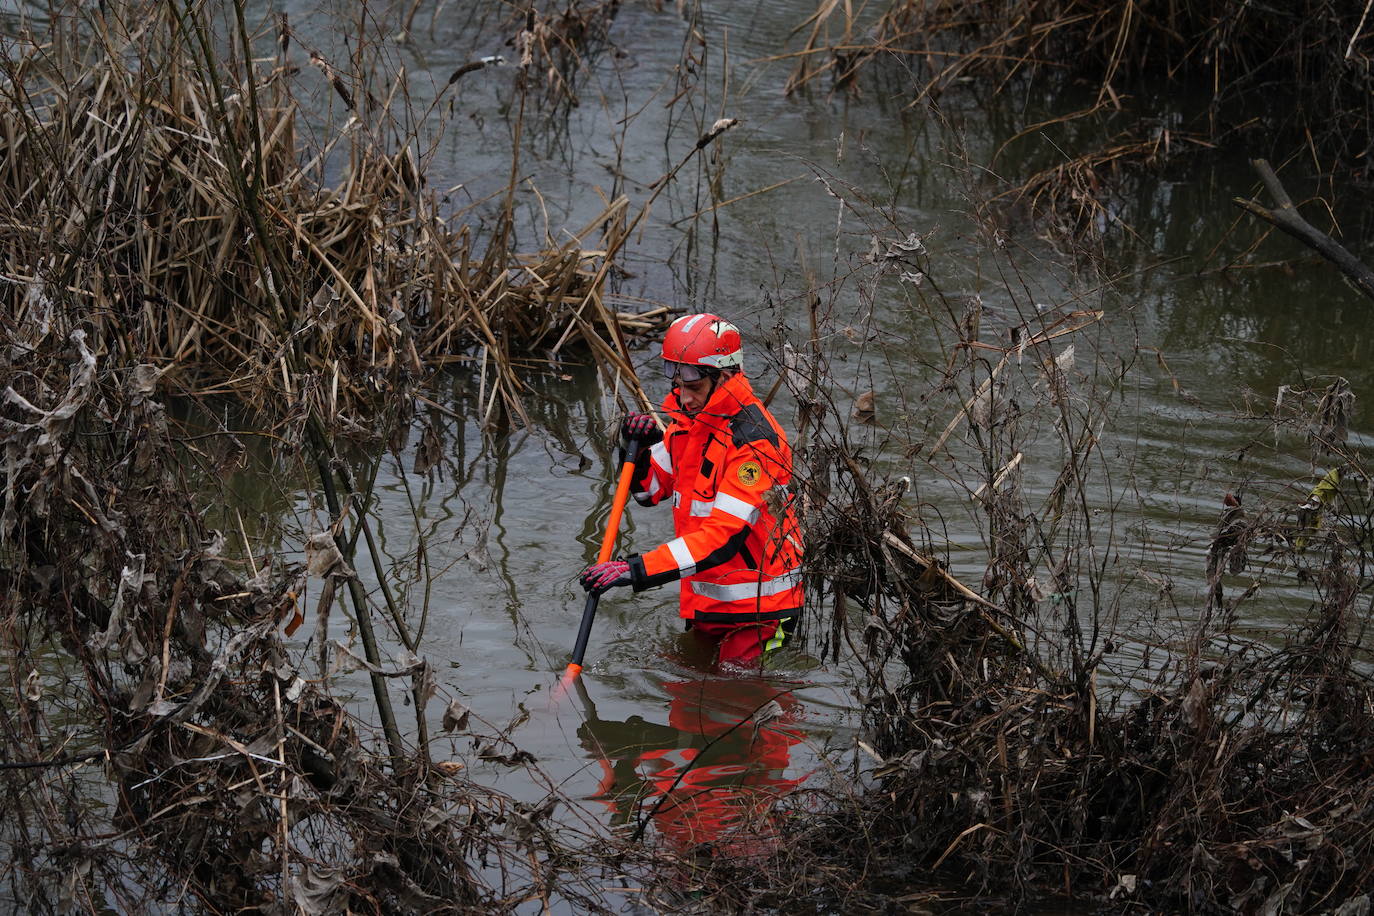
{"x":622,"y":494}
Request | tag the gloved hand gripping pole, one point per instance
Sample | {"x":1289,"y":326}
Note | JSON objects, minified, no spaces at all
{"x":622,"y":493}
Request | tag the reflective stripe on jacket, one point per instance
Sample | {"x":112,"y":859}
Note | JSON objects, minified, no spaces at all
{"x":738,"y":548}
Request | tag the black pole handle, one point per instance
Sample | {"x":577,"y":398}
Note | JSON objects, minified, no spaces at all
{"x":584,"y":629}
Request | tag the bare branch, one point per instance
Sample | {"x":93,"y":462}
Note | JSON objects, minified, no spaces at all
{"x":1284,"y":215}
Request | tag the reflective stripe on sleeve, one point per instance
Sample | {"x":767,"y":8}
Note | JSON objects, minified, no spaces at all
{"x":658,"y":452}
{"x":686,"y":563}
{"x":747,"y":591}
{"x":737,"y":507}
{"x":654,"y":487}
{"x":730,"y":505}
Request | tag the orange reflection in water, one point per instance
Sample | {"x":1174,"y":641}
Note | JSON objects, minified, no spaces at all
{"x":709,"y":777}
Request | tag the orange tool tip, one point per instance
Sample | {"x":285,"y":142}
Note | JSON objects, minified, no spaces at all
{"x":566,"y":681}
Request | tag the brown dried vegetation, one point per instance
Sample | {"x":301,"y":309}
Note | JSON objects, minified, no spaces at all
{"x":1049,"y":731}
{"x":165,"y":193}
{"x":1298,"y":72}
{"x":168,"y":231}
{"x":162,"y":232}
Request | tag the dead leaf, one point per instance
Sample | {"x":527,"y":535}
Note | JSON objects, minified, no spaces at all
{"x":436,"y":816}
{"x":912,"y":244}
{"x":1124,"y":885}
{"x":293,"y":692}
{"x":980,"y":409}
{"x":1065,"y":360}
{"x":513,"y":759}
{"x":1355,"y":906}
{"x":430,"y":450}
{"x":1276,"y":903}
{"x":315,"y":888}
{"x":767,"y":712}
{"x":456,"y":717}
{"x":1195,"y":704}
{"x":322,"y":556}
{"x":428,"y":687}
{"x":864,"y":408}
{"x":162,"y":708}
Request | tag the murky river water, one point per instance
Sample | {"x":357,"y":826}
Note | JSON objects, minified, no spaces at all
{"x":509,"y":519}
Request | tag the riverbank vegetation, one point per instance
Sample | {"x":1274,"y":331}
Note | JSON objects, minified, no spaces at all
{"x":182,"y":245}
{"x":1211,"y":59}
{"x":183,"y":237}
{"x":1074,"y":723}
{"x":174,"y":198}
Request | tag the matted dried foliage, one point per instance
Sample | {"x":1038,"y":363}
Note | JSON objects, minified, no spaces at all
{"x":163,"y":749}
{"x":1316,"y":52}
{"x":1042,"y":730}
{"x":1298,"y":72}
{"x":163,"y":193}
{"x":167,"y":230}
{"x":1237,"y":779}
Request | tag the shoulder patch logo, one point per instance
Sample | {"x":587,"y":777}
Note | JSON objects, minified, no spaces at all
{"x":749,"y":473}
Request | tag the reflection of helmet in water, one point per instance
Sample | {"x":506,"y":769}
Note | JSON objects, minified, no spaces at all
{"x":703,"y":340}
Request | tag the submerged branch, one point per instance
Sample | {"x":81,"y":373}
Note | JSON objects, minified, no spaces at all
{"x":1284,"y":215}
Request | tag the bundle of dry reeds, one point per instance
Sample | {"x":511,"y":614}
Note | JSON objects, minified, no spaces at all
{"x":1232,"y":44}
{"x":158,"y":190}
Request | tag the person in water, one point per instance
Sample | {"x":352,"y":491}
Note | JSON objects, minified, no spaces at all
{"x":725,"y":465}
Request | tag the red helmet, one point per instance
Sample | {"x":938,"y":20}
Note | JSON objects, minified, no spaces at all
{"x":703,"y":340}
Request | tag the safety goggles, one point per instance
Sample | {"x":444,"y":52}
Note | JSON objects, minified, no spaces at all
{"x":686,"y":372}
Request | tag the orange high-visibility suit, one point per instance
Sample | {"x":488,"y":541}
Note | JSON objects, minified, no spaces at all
{"x":738,"y":548}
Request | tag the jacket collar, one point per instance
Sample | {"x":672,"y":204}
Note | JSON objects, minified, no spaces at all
{"x":729,"y":397}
